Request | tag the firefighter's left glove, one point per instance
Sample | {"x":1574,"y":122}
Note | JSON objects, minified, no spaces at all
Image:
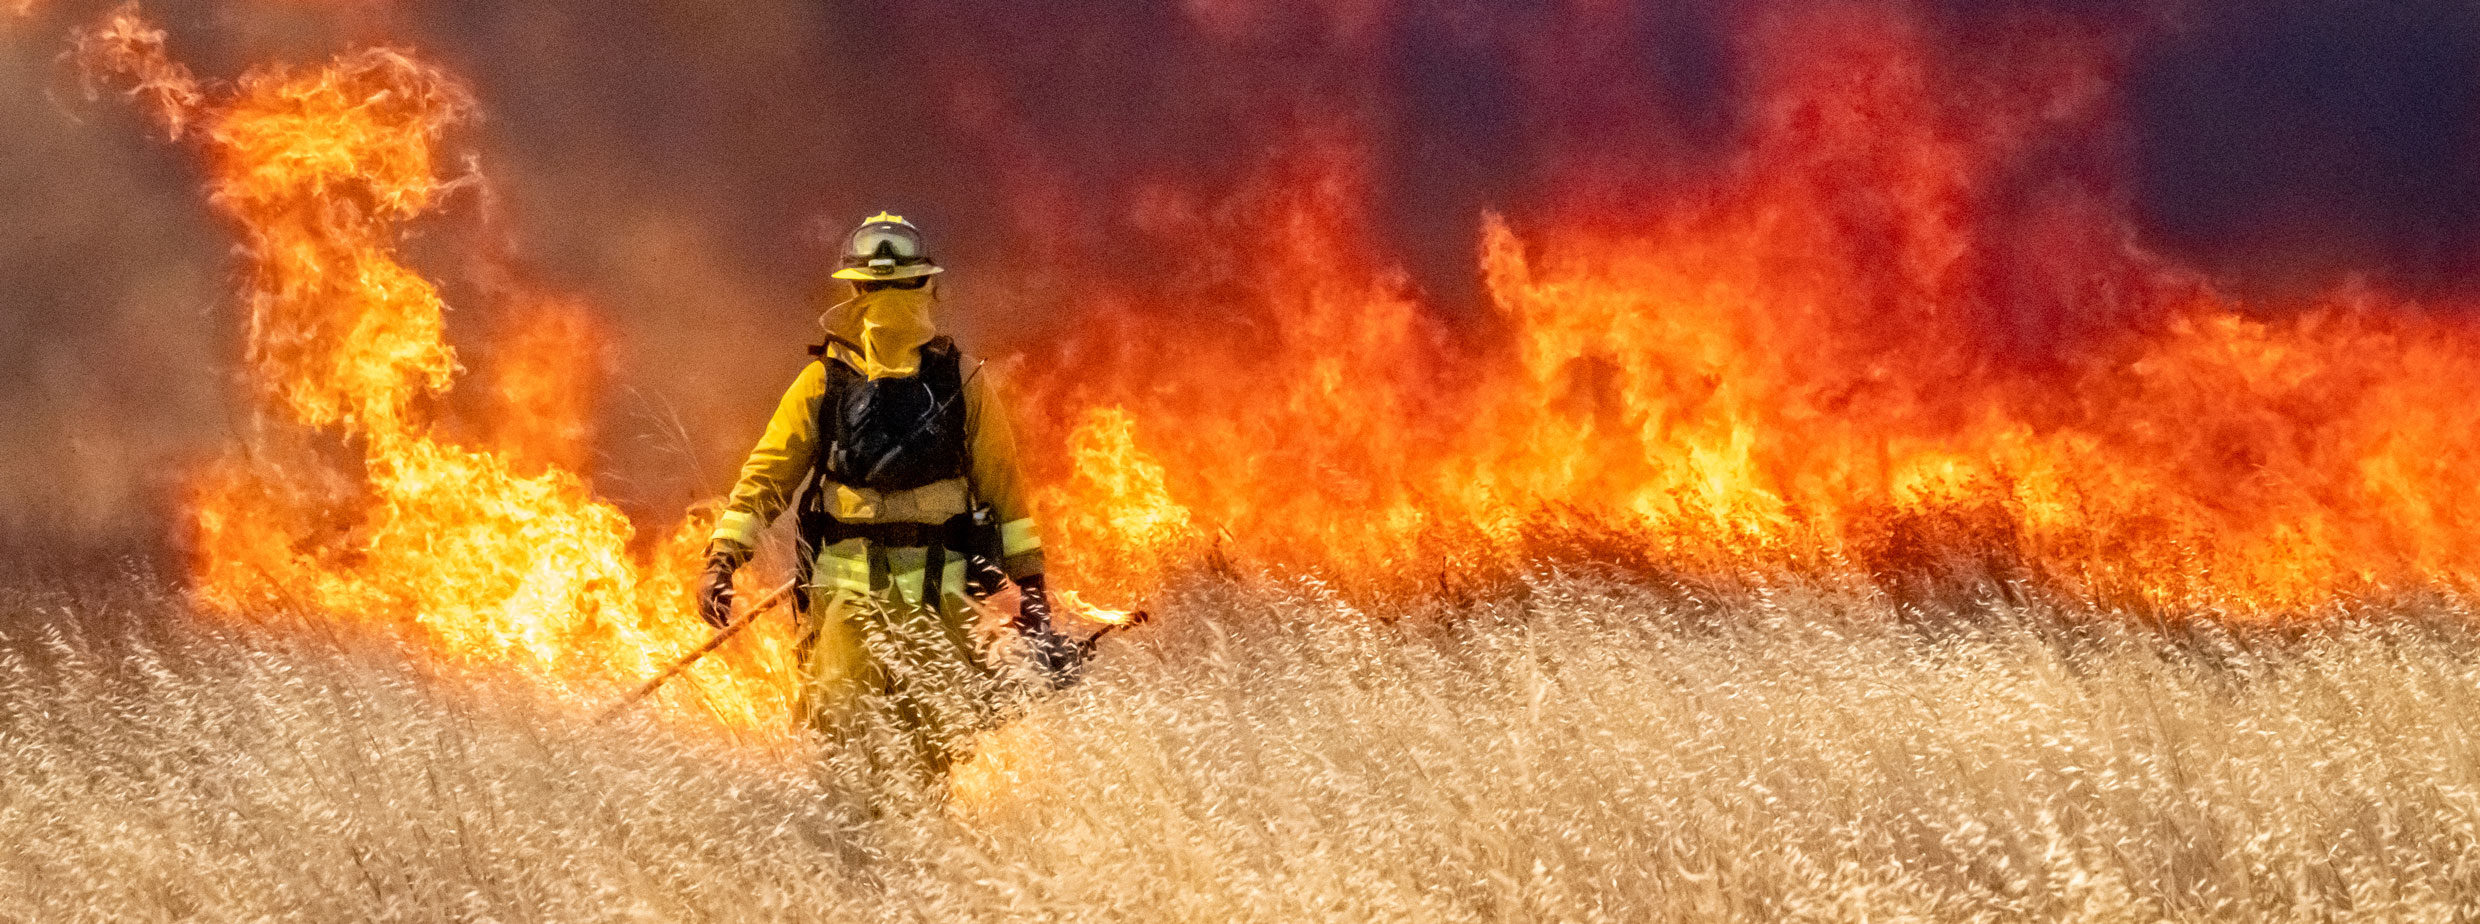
{"x":1058,"y":659}
{"x":714,"y":587}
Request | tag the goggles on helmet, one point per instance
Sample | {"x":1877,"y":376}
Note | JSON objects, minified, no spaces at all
{"x":886,"y":247}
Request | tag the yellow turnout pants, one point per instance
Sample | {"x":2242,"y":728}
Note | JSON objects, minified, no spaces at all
{"x":885,"y":673}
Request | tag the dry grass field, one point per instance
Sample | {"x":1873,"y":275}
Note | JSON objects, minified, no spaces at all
{"x":1593,"y":751}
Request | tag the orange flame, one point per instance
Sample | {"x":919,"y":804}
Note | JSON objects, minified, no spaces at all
{"x":1071,"y":603}
{"x":1787,"y":365}
{"x":547,"y":369}
{"x":345,"y":497}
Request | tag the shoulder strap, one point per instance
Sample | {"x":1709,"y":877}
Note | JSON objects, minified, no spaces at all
{"x":950,"y":367}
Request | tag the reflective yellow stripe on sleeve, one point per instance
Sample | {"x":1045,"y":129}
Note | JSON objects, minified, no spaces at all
{"x":1017,"y":537}
{"x":739,"y":527}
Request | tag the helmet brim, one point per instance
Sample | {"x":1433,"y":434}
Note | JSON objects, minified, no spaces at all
{"x":869,"y":274}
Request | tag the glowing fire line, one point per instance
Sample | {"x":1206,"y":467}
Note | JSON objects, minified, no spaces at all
{"x":1786,"y":368}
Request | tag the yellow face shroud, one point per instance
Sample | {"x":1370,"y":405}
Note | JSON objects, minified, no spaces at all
{"x":888,"y":325}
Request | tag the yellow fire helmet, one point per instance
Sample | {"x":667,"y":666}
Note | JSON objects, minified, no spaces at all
{"x":886,"y":247}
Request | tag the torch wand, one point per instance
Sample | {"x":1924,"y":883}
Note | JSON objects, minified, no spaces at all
{"x":1084,"y":646}
{"x":721,"y":636}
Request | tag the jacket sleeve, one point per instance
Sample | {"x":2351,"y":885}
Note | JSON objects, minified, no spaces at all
{"x":778,"y":464}
{"x":998,"y":478}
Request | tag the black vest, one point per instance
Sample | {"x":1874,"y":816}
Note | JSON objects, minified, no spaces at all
{"x":894,"y":434}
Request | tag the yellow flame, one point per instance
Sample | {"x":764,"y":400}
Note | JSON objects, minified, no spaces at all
{"x":347,"y":498}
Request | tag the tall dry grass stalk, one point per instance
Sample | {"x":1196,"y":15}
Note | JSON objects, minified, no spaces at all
{"x":1596,"y":751}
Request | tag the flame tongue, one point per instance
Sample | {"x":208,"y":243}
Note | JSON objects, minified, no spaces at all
{"x":1862,"y":344}
{"x":1798,"y":362}
{"x":319,"y":171}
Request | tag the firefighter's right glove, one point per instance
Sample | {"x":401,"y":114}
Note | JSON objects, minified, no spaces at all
{"x":714,"y":587}
{"x":1057,"y":658}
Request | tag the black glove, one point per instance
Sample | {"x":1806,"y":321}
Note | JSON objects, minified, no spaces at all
{"x":1057,"y":657}
{"x":714,"y":587}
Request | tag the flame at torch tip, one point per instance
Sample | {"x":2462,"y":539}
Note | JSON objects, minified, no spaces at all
{"x":1073,"y":604}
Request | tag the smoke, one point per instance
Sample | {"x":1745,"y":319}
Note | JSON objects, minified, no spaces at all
{"x":2291,"y":145}
{"x":110,"y":275}
{"x":677,"y":165}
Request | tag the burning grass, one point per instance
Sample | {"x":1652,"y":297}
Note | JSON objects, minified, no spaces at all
{"x":1586,"y":749}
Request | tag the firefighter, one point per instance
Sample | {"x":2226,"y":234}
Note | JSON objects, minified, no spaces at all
{"x":900,"y":456}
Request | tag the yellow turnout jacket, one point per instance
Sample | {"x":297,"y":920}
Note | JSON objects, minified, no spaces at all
{"x":784,"y":459}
